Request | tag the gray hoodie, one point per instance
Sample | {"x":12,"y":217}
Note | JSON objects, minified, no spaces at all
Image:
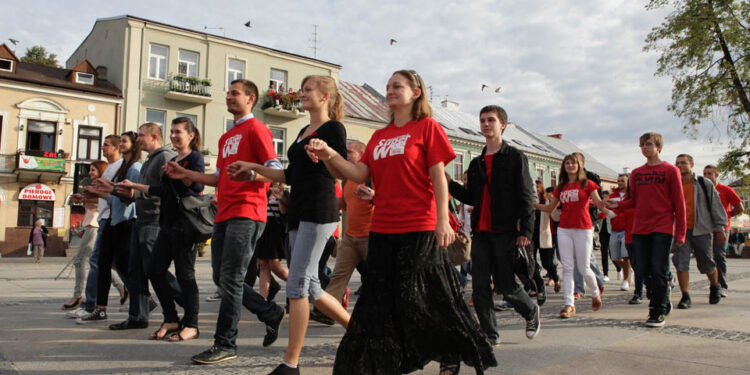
{"x":147,"y":206}
{"x":707,"y":221}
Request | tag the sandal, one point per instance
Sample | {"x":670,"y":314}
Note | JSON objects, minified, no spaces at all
{"x":453,"y":368}
{"x":155,"y":334}
{"x":175,"y":337}
{"x":568,"y":312}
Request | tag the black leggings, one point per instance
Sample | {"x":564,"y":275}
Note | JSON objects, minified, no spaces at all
{"x":547,"y":256}
{"x":175,"y":244}
{"x":114,"y":250}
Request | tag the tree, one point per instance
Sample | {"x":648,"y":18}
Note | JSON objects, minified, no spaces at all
{"x":705,"y":48}
{"x":38,"y":55}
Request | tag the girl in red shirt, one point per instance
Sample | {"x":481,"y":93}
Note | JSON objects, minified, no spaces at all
{"x":411,"y":310}
{"x":575,"y":232}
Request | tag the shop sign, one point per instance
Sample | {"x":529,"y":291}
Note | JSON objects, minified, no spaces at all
{"x":39,"y":163}
{"x":37,"y":192}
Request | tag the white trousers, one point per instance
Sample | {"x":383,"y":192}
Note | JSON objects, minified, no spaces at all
{"x":575,"y":247}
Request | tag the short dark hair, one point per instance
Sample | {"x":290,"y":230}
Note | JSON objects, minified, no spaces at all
{"x":711,"y":166}
{"x":250,"y":89}
{"x":499,"y":111}
{"x":689,"y":158}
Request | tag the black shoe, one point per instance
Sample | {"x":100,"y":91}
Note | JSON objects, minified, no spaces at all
{"x":669,"y":302}
{"x":494,"y":341}
{"x":152,"y":304}
{"x":98,"y":315}
{"x":128,"y":324}
{"x":272,"y":329}
{"x":214,"y":355}
{"x":533,"y":325}
{"x":359,"y":291}
{"x":125,"y":295}
{"x":320,"y":318}
{"x":541,"y":297}
{"x":283,"y":369}
{"x":273,"y":289}
{"x":655,"y":321}
{"x":636,"y":300}
{"x":685,"y":302}
{"x":714,"y":297}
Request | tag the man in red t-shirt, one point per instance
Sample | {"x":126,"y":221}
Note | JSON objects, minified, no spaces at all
{"x":656,"y":195}
{"x":733,"y":205}
{"x":239,"y":222}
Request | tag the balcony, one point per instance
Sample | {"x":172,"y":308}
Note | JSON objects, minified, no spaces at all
{"x":293,"y":113}
{"x":39,"y":168}
{"x":189,"y":89}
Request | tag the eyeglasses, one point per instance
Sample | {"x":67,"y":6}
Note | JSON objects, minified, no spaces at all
{"x":647,"y":144}
{"x":416,"y":77}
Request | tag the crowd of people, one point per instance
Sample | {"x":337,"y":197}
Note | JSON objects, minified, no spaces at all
{"x":395,"y":191}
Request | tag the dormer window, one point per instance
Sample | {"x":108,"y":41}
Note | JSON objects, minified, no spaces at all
{"x":6,"y":65}
{"x":85,"y":78}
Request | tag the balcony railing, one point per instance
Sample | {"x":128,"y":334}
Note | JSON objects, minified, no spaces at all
{"x":190,"y":89}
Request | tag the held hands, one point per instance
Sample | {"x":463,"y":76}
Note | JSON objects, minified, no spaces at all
{"x":77,"y":197}
{"x":174,"y":170}
{"x":240,"y":170}
{"x":364,"y":193}
{"x":318,"y":150}
{"x":522,"y":241}
{"x":104,"y":186}
{"x":611,"y":204}
{"x":444,"y":233}
{"x":125,"y":188}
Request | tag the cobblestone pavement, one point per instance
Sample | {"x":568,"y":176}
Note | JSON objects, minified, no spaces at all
{"x":35,"y":338}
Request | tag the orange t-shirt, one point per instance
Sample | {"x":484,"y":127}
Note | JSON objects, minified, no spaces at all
{"x":358,"y":212}
{"x":688,"y":190}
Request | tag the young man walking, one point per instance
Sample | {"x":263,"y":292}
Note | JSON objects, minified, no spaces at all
{"x":733,"y":205}
{"x":656,"y":195}
{"x":705,"y":216}
{"x":239,"y":221}
{"x":499,"y":187}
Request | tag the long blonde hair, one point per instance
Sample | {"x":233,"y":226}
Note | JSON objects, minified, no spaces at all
{"x":327,"y":85}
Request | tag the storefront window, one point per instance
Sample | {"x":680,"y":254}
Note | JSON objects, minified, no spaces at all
{"x":29,"y":211}
{"x":40,"y":136}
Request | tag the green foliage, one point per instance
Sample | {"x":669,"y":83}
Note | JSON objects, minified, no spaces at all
{"x":705,"y":48}
{"x":39,"y":55}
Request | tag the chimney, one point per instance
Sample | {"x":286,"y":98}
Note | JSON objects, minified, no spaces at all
{"x":448,"y":104}
{"x":558,"y":135}
{"x":101,"y":72}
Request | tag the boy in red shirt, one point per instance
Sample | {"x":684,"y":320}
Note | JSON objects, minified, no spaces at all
{"x":656,"y":193}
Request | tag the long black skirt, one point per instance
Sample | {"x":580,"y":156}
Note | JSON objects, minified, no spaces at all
{"x":410,"y":312}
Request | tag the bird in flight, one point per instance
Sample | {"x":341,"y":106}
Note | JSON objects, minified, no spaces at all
{"x":14,"y":41}
{"x":484,"y":86}
{"x":393,"y":41}
{"x":249,"y":24}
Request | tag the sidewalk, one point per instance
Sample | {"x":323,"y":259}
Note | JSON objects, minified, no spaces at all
{"x":35,"y":337}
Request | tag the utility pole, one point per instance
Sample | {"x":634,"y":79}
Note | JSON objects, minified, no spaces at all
{"x":314,"y":41}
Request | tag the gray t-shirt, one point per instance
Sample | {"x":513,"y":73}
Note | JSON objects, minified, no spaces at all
{"x":109,"y":174}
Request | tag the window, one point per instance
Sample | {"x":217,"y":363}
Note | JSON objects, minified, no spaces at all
{"x":278,"y":80}
{"x":157,"y":62}
{"x":458,"y":167}
{"x":187,"y":63}
{"x":235,"y":70}
{"x":89,"y":140}
{"x":29,"y":211}
{"x":157,"y":117}
{"x":540,"y":173}
{"x":40,"y":136}
{"x":6,"y":65}
{"x":279,"y":143}
{"x":552,"y":178}
{"x":229,"y":124}
{"x":192,"y":118}
{"x":81,"y":177}
{"x":85,"y":78}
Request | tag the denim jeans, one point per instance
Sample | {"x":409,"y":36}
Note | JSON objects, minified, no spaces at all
{"x":638,"y":291}
{"x":232,"y":247}
{"x":93,"y":275}
{"x":652,"y":262}
{"x":492,"y":256}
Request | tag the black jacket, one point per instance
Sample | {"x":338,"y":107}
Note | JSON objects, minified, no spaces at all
{"x":511,"y":192}
{"x":45,"y":233}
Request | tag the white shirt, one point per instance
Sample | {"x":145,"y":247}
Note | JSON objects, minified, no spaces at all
{"x":109,"y":174}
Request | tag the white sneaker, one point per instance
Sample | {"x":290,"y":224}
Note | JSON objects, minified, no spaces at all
{"x":77,"y":313}
{"x":605,"y":278}
{"x":619,"y":275}
{"x":625,"y":286}
{"x":723,"y":292}
{"x":215,"y":297}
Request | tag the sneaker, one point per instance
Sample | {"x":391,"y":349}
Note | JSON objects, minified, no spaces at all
{"x":272,"y":329}
{"x":124,"y":295}
{"x":283,"y":369}
{"x":714,"y":297}
{"x":494,"y":341}
{"x":655,"y":321}
{"x":320,"y":317}
{"x":619,"y":275}
{"x":625,"y":286}
{"x":533,"y":325}
{"x":503,"y":306}
{"x":669,"y":302}
{"x":346,"y":298}
{"x":636,"y":300}
{"x":78,"y":313}
{"x":605,"y":278}
{"x":541,"y":298}
{"x":215,"y":297}
{"x":685,"y":302}
{"x":214,"y":355}
{"x":723,"y":292}
{"x":98,"y":315}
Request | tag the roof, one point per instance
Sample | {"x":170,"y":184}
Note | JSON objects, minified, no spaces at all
{"x":127,"y":16}
{"x":361,"y":103}
{"x":58,"y":77}
{"x":563,"y":147}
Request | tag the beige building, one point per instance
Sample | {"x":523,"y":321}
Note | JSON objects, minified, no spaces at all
{"x":166,"y":71}
{"x":52,"y":123}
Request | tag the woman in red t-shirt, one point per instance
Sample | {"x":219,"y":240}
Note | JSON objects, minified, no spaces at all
{"x":411,"y":310}
{"x":575,"y":232}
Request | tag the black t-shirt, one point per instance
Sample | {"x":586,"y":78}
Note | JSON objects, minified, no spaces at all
{"x":169,"y":206}
{"x":313,"y":196}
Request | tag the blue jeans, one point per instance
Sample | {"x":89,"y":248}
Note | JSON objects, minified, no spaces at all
{"x":232,"y":247}
{"x":652,"y":262}
{"x":638,"y":291}
{"x":90,"y":301}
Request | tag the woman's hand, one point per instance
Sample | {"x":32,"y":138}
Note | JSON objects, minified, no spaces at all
{"x":241,"y":170}
{"x":444,"y":233}
{"x":175,"y":171}
{"x":126,"y":184}
{"x":364,"y":193}
{"x":318,"y":150}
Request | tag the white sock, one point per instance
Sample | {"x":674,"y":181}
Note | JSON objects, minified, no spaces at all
{"x":287,"y":364}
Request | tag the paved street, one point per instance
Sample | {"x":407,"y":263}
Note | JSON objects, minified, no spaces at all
{"x":35,"y":337}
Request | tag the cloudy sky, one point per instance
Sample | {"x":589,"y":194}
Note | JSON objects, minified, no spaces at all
{"x":570,"y":67}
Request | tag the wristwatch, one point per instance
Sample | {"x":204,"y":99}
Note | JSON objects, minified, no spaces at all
{"x":252,"y":175}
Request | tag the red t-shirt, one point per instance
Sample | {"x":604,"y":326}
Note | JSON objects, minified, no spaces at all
{"x":485,"y":213}
{"x":656,"y":194}
{"x":729,"y":199}
{"x":617,"y":222}
{"x":249,"y":141}
{"x":575,"y":204}
{"x":339,"y":194}
{"x":628,"y":216}
{"x":399,"y":159}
